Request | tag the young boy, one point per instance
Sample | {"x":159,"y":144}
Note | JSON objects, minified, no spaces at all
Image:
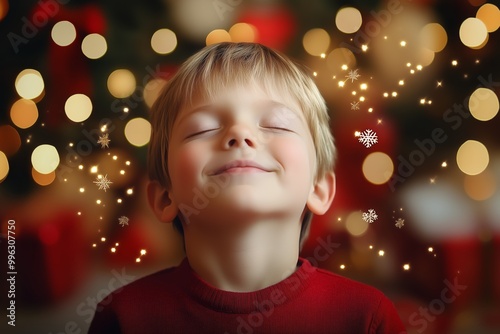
{"x":241,"y":156}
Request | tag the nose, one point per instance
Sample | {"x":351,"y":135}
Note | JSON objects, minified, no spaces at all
{"x":239,"y":136}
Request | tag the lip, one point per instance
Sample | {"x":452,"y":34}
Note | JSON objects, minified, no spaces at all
{"x":241,"y":166}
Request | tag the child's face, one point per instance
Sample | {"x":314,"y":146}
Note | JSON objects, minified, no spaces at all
{"x":243,"y":153}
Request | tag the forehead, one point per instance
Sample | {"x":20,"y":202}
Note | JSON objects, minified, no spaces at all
{"x":241,"y":94}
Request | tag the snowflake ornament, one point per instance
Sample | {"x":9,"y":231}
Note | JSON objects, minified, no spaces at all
{"x":400,"y":223}
{"x":352,"y":75}
{"x":123,"y":220}
{"x":355,"y":105}
{"x":368,"y":138}
{"x":104,"y":140}
{"x":103,"y":182}
{"x":370,"y":216}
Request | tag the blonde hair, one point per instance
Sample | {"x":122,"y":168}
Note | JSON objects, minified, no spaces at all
{"x":224,"y":65}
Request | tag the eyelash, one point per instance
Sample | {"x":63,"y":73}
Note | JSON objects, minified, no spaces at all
{"x":199,"y":133}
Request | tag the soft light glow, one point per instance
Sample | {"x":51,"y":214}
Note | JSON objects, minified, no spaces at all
{"x":472,"y":157}
{"x":433,"y":37}
{"x":430,"y":249}
{"x":138,"y":131}
{"x":78,"y":107}
{"x":93,"y":169}
{"x":316,"y":41}
{"x":483,"y":104}
{"x":378,"y":168}
{"x":473,"y":32}
{"x":43,"y":179}
{"x":63,"y":33}
{"x":164,"y":41}
{"x":45,"y":158}
{"x":217,"y":36}
{"x":381,"y":253}
{"x":4,"y":166}
{"x":406,"y":267}
{"x":24,"y":113}
{"x":489,"y":14}
{"x":243,"y":32}
{"x":348,"y":20}
{"x":121,"y":83}
{"x":29,"y":84}
{"x":10,"y":141}
{"x":480,"y":187}
{"x":152,"y":90}
{"x":94,"y":46}
{"x":355,"y":224}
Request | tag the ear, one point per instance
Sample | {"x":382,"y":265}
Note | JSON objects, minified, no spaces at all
{"x":322,"y":194}
{"x":160,"y":202}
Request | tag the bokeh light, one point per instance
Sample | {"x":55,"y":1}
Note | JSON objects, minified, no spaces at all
{"x":4,"y":8}
{"x":138,"y":131}
{"x":78,"y":107}
{"x":316,"y":41}
{"x":481,"y":186}
{"x":217,"y":36}
{"x":483,"y":104}
{"x":489,"y":14}
{"x":473,"y":32}
{"x":24,"y":113}
{"x":43,"y":179}
{"x":94,"y":46}
{"x":4,"y":166}
{"x":29,"y":84}
{"x":472,"y":157}
{"x":243,"y":32}
{"x":121,"y":83}
{"x":378,"y":168}
{"x":164,"y":41}
{"x":433,"y":37}
{"x":152,"y":90}
{"x":340,"y":57}
{"x":10,"y":141}
{"x":63,"y":33}
{"x":355,"y":224}
{"x":348,"y":20}
{"x":45,"y":159}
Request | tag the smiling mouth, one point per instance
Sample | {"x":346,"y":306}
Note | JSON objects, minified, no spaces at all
{"x":241,"y":167}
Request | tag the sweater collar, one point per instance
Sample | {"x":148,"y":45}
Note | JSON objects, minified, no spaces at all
{"x":246,"y":302}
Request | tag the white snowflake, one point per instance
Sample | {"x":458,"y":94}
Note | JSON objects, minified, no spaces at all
{"x":368,"y":138}
{"x":123,"y":220}
{"x":104,"y":140}
{"x":370,"y":216}
{"x":352,"y":75}
{"x":355,"y":105}
{"x":103,"y":182}
{"x":400,"y":223}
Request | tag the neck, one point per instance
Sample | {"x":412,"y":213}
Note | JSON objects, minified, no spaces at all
{"x":243,"y":259}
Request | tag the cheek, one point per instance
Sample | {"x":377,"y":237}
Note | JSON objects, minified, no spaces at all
{"x":185,"y":165}
{"x":295,"y":156}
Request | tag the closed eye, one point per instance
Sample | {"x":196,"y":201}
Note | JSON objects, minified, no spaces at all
{"x":199,"y":133}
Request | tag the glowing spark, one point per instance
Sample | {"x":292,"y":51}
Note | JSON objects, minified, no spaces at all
{"x":430,"y":249}
{"x":394,"y":94}
{"x":386,"y":94}
{"x":93,"y":169}
{"x":381,"y":253}
{"x":315,"y":74}
{"x":439,"y":84}
{"x":342,"y":266}
{"x":80,"y":167}
{"x":422,"y":101}
{"x":364,"y":47}
{"x":103,"y":239}
{"x":82,"y":190}
{"x":406,"y":267}
{"x":341,"y":83}
{"x":402,"y":43}
{"x":454,"y":63}
{"x":401,"y":82}
{"x":362,"y":98}
{"x":363,"y":86}
{"x":130,"y":191}
{"x":444,"y":164}
{"x":115,"y":157}
{"x":344,"y":67}
{"x":323,"y":56}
